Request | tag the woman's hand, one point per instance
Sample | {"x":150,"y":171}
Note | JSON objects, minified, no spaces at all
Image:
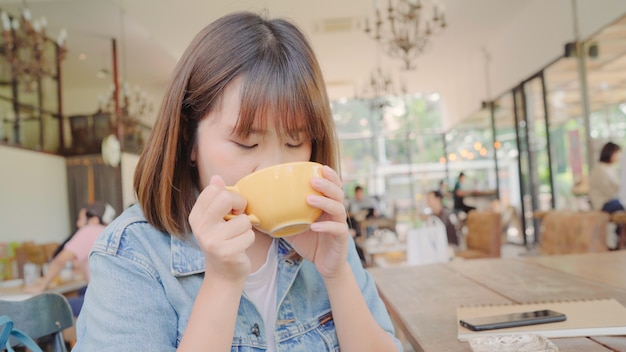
{"x":36,"y":288}
{"x":223,"y":243}
{"x":326,"y":243}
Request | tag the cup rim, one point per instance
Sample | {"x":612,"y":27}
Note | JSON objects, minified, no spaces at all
{"x":275,"y":166}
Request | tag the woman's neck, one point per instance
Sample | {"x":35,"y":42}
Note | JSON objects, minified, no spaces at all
{"x":258,"y":251}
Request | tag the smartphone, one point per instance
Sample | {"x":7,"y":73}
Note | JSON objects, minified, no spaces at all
{"x":512,"y":320}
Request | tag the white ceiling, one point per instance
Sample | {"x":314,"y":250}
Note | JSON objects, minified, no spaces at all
{"x":154,"y":33}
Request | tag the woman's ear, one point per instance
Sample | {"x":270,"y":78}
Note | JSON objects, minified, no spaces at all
{"x":192,"y":157}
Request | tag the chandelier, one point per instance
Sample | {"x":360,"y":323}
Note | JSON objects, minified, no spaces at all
{"x":377,"y":90}
{"x":24,"y":47}
{"x":406,"y":31}
{"x":133,"y":104}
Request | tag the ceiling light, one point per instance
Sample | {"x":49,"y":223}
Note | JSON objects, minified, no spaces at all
{"x":25,"y":47}
{"x":405,"y":31}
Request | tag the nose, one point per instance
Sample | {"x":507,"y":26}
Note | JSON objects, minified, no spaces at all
{"x":277,"y":153}
{"x":272,"y":158}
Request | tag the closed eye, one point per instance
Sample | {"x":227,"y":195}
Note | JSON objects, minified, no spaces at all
{"x":294,"y":146}
{"x":246,"y":146}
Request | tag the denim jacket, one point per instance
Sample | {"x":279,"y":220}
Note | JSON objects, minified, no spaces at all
{"x":144,"y":283}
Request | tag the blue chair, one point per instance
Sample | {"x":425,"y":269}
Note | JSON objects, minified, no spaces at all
{"x":42,"y":317}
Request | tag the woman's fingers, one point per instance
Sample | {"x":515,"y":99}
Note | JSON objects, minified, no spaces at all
{"x":215,"y":202}
{"x":331,"y":201}
{"x":331,"y":227}
{"x":224,"y":247}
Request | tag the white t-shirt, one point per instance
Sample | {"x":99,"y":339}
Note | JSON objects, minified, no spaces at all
{"x":261,"y":290}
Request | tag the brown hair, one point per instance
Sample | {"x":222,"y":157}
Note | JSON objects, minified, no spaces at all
{"x":281,"y":78}
{"x":607,"y":152}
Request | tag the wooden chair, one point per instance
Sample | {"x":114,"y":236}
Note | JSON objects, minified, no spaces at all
{"x":377,"y":223}
{"x":565,"y":232}
{"x":42,"y":317}
{"x":34,"y":253}
{"x":48,"y":249}
{"x":484,"y":235}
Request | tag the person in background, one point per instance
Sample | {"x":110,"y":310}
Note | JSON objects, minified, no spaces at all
{"x":459,"y":194}
{"x":434,"y":202}
{"x":172,"y":274}
{"x":604,"y":183}
{"x":362,"y":203}
{"x":622,"y":179}
{"x":107,"y":217}
{"x":91,"y":221}
{"x":360,"y":208}
{"x":444,"y":189}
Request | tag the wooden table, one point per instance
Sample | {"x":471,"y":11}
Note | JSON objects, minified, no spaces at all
{"x":67,"y":288}
{"x":422,"y":300}
{"x":371,"y":249}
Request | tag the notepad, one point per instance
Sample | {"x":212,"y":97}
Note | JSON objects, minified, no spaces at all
{"x":595,"y":317}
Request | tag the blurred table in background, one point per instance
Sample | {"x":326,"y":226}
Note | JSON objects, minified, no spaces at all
{"x":12,"y":290}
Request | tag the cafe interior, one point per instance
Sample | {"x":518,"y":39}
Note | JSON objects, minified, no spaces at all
{"x":519,"y":96}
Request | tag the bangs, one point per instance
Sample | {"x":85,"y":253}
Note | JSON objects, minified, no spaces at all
{"x":285,"y":98}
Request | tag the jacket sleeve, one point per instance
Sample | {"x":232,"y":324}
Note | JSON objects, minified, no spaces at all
{"x":117,"y":314}
{"x":370,"y":293}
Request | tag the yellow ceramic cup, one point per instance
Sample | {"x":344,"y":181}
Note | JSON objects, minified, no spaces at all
{"x":277,"y":197}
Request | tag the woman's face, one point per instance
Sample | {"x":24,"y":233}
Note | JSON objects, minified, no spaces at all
{"x":220,"y":152}
{"x":615,"y":157}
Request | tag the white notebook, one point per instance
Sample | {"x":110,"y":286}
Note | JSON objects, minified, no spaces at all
{"x":594,"y":317}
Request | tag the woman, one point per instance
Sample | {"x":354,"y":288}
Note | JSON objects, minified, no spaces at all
{"x":604,"y":181}
{"x":171,"y":274}
{"x":90,"y":223}
{"x":604,"y":185}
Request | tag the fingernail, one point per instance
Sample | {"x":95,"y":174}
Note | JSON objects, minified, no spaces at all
{"x":312,"y":199}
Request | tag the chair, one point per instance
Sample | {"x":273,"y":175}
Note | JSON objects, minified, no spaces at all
{"x":377,"y":223}
{"x":35,"y":253}
{"x":427,"y":244}
{"x":484,"y":235}
{"x":42,"y":317}
{"x":565,"y":232}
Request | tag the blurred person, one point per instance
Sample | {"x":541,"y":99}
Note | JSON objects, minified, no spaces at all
{"x":107,"y":217}
{"x":91,"y":221}
{"x":434,"y":202}
{"x":604,"y":183}
{"x":622,"y":179}
{"x":361,"y":207}
{"x":444,"y":189}
{"x":362,"y":203}
{"x":459,"y":194}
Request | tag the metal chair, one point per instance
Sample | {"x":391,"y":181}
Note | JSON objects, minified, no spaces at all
{"x":42,"y":317}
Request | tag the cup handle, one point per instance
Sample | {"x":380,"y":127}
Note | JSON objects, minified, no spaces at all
{"x":253,"y":218}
